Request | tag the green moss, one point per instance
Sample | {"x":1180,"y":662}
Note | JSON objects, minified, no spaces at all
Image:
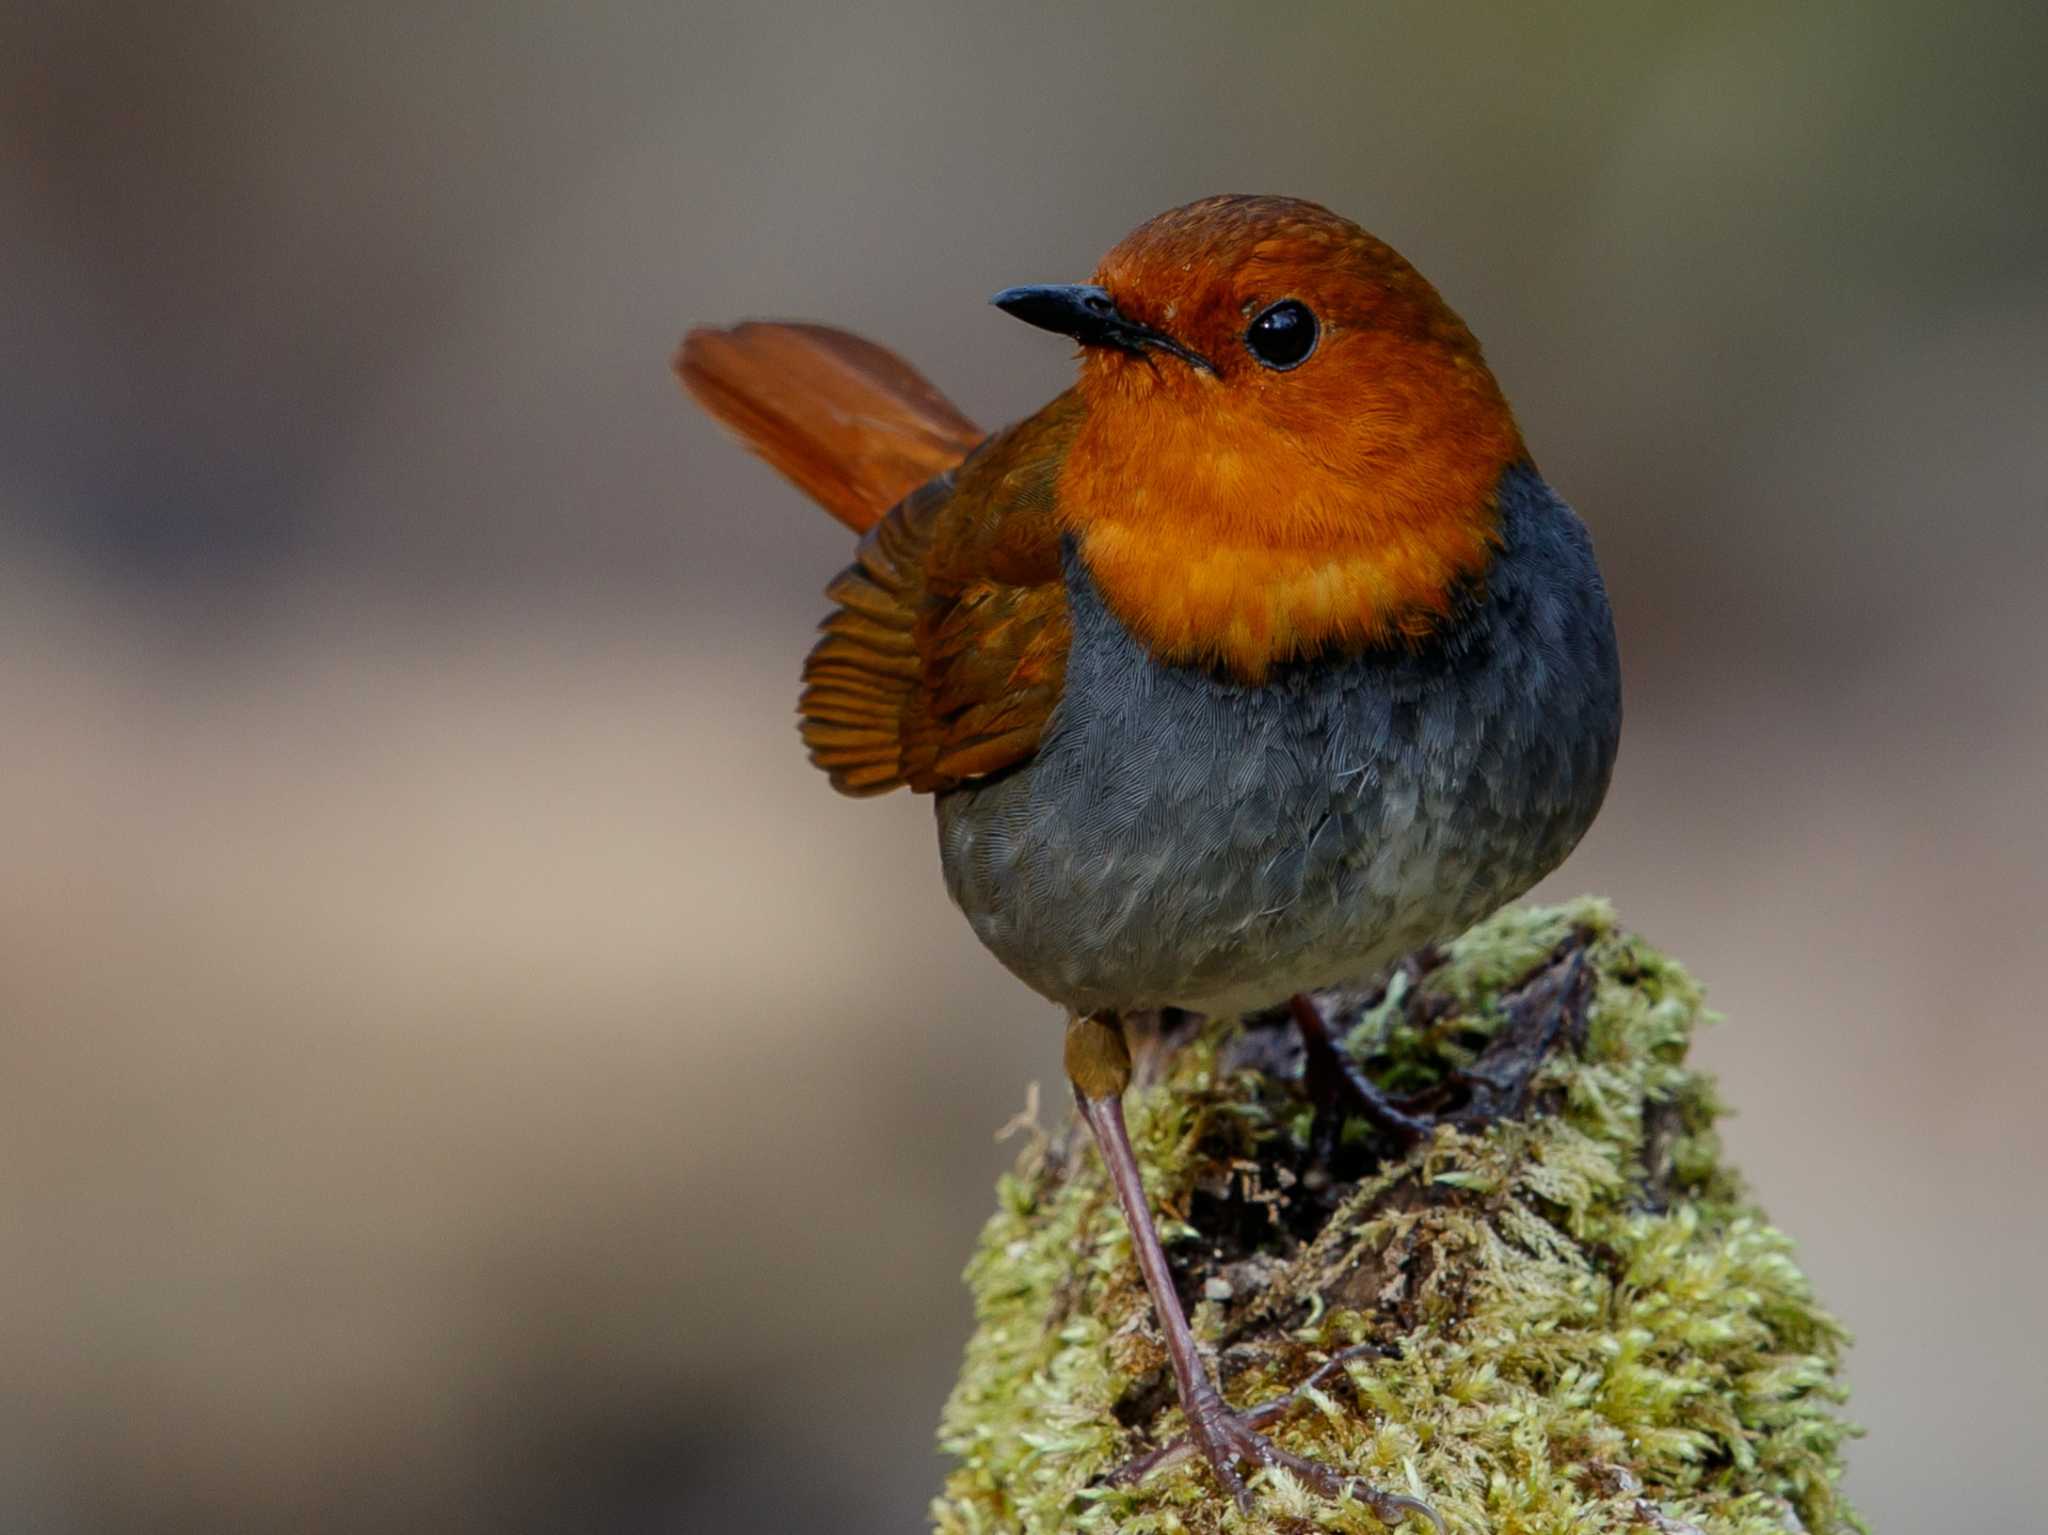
{"x":1587,"y":1324}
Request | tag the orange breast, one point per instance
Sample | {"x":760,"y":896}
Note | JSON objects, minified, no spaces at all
{"x":1244,"y":528}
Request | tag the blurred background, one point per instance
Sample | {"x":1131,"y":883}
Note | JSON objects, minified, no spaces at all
{"x":465,"y":1071}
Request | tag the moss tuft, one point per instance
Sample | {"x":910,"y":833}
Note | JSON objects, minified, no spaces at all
{"x":1579,"y":1321}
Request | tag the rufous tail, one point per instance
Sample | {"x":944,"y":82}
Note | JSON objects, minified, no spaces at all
{"x":852,"y":424}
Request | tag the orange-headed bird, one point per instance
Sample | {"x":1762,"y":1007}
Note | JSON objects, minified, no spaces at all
{"x":1257,"y":659}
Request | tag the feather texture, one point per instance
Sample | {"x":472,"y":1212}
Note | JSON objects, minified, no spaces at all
{"x":947,"y":645}
{"x":948,"y":649}
{"x":851,"y":423}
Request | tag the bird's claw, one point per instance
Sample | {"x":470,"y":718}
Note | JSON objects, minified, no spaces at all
{"x":1229,"y":1440}
{"x":1545,"y":1010}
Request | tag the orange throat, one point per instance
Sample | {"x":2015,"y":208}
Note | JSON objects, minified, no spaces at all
{"x":1225,"y":537}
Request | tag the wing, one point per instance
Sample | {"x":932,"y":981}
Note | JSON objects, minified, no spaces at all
{"x":948,"y":648}
{"x":854,"y":426}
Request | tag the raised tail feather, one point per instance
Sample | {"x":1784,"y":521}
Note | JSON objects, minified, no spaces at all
{"x":852,"y":425}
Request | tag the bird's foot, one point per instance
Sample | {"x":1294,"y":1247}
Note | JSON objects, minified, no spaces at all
{"x":1333,"y":1079}
{"x":1544,"y":1010}
{"x":1232,"y":1444}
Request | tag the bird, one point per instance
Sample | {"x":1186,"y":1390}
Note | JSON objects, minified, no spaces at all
{"x":1257,"y":659}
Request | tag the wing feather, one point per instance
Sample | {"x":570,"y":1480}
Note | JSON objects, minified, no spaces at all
{"x":965,"y":572}
{"x":946,"y":649}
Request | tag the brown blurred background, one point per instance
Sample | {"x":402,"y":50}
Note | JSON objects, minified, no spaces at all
{"x":464,"y":1071}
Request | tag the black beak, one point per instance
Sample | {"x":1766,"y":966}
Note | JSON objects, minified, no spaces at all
{"x":1091,"y":317}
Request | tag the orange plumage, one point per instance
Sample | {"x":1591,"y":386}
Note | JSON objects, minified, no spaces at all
{"x":1235,"y":517}
{"x":855,"y":426}
{"x":1250,"y":517}
{"x":946,"y":651}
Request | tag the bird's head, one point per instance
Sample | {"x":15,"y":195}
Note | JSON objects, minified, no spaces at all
{"x":1291,"y":445}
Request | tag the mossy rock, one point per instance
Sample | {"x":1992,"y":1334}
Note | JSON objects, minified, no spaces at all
{"x":1575,"y":1318}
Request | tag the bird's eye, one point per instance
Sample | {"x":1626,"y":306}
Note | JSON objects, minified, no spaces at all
{"x":1283,"y":335}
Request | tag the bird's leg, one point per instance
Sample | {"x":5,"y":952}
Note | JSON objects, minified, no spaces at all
{"x":1545,"y":1011}
{"x":1099,"y":1067}
{"x":1328,"y":1073}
